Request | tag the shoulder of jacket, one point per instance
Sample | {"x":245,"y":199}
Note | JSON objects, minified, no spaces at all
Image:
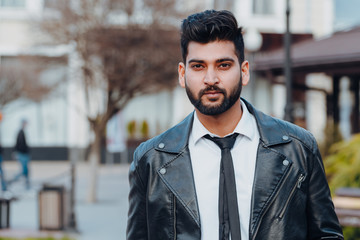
{"x":146,"y":146}
{"x":171,"y":140}
{"x":273,"y":130}
{"x":298,"y":133}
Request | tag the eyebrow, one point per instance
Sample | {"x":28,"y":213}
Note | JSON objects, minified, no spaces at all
{"x":225,"y":60}
{"x":196,"y":61}
{"x":217,"y":61}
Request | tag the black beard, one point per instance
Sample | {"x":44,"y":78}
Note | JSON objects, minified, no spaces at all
{"x":225,"y":105}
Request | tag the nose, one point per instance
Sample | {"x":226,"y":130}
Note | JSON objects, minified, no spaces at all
{"x":211,"y":77}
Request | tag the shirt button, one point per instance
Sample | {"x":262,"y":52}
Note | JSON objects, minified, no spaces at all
{"x":285,"y":162}
{"x":285,"y":138}
{"x":163,"y":171}
{"x":161,"y":145}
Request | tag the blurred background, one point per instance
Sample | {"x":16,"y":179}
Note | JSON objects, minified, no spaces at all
{"x":94,"y":78}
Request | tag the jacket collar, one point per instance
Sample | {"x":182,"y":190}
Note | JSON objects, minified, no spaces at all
{"x":176,"y":138}
{"x":271,"y":132}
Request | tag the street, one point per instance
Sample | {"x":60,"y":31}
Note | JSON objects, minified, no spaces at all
{"x":105,"y":219}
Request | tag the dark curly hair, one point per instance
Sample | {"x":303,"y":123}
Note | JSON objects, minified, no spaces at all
{"x":209,"y":26}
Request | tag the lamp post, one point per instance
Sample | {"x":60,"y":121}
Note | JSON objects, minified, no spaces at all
{"x":1,"y":117}
{"x":253,"y":42}
{"x":72,"y":226}
{"x":287,"y":67}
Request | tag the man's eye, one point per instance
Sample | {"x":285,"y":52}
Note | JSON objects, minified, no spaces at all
{"x":224,"y":65}
{"x":197,"y":66}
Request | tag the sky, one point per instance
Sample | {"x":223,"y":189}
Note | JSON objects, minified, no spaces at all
{"x":346,"y":13}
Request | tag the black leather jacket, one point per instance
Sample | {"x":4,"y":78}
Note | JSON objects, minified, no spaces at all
{"x":291,"y":198}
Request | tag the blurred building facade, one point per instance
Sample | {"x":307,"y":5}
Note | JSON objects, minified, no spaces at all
{"x":326,"y":91}
{"x":55,"y":122}
{"x":58,"y":124}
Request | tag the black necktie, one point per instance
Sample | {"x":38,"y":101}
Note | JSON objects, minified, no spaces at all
{"x":229,"y":220}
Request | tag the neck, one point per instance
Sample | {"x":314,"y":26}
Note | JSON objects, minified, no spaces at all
{"x":224,"y":123}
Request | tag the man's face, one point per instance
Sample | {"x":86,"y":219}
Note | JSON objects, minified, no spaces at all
{"x":212,"y":76}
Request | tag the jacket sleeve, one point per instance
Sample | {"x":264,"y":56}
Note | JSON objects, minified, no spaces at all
{"x":137,"y":223}
{"x":322,"y":220}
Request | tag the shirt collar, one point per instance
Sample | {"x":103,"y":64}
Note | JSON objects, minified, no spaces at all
{"x":245,"y":127}
{"x":247,"y":124}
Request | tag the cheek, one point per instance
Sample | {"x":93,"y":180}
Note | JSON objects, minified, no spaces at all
{"x":231,"y":79}
{"x":193,"y":79}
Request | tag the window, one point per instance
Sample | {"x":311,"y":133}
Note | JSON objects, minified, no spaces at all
{"x":263,"y":7}
{"x":13,"y":3}
{"x":51,"y":3}
{"x":224,"y":4}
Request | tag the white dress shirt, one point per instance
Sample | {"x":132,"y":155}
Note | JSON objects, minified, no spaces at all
{"x":205,"y":158}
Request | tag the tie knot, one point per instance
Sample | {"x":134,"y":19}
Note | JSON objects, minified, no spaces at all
{"x":223,"y":143}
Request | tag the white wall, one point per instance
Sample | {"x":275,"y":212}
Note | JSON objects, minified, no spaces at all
{"x":156,"y":109}
{"x":181,"y":105}
{"x":346,"y":105}
{"x":316,"y":104}
{"x":47,"y":120}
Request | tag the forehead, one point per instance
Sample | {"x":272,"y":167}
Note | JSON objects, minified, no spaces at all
{"x":211,"y":51}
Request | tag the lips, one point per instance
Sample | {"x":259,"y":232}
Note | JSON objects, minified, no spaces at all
{"x":212,"y":94}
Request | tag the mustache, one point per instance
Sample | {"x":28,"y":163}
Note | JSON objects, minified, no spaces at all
{"x":211,"y":88}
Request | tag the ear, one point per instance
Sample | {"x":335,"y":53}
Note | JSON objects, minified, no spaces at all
{"x":245,"y":72}
{"x":181,"y":72}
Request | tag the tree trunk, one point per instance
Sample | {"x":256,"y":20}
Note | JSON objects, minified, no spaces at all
{"x":94,"y":159}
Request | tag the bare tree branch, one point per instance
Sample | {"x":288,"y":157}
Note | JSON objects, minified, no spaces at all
{"x":20,"y":78}
{"x":125,"y":60}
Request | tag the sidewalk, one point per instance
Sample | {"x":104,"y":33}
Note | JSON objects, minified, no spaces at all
{"x":105,"y":219}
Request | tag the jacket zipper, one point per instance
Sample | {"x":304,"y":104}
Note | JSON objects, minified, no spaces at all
{"x":296,"y":186}
{"x":174,"y":212}
{"x":257,"y":227}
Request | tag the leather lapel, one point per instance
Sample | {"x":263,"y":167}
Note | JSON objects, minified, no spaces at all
{"x":270,"y":172}
{"x":178,"y":177}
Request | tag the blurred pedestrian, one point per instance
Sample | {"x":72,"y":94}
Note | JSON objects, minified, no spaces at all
{"x":22,"y":153}
{"x":2,"y":177}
